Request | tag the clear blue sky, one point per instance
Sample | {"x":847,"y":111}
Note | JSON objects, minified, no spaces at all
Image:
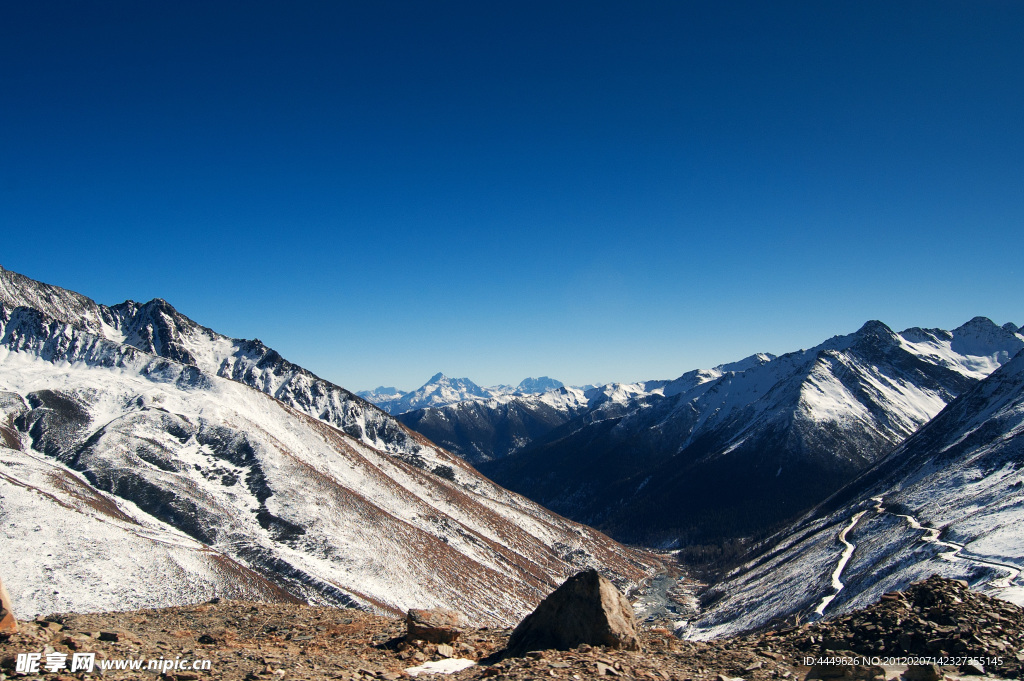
{"x":591,"y":190}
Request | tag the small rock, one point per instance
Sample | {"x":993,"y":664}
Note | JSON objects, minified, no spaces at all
{"x":445,"y":650}
{"x":922,"y":672}
{"x":845,"y":671}
{"x":972,"y":668}
{"x":113,"y":636}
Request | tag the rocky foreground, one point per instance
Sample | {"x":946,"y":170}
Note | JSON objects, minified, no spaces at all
{"x":938,"y":624}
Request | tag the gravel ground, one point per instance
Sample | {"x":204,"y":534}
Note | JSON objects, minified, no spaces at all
{"x":266,"y":642}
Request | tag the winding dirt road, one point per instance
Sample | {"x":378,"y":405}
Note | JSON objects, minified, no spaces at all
{"x":931,"y":536}
{"x":958,"y":552}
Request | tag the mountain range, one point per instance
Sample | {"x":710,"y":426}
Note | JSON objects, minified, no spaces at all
{"x":147,"y":460}
{"x":907,"y":448}
{"x":729,"y":453}
{"x":441,"y":391}
{"x":484,"y":429}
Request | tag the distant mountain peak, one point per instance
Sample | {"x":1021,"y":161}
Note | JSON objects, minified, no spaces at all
{"x":539,"y":385}
{"x":981,"y":337}
{"x":441,"y":390}
{"x":873,"y":327}
{"x":978,"y":322}
{"x":876,"y":334}
{"x":754,"y":360}
{"x":382,"y":390}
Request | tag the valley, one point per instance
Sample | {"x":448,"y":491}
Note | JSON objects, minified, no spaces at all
{"x":725,"y":454}
{"x":814,"y":481}
{"x":659,"y":341}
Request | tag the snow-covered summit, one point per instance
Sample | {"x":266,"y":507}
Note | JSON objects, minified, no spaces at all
{"x":531,"y":386}
{"x":438,"y":391}
{"x":975,"y":349}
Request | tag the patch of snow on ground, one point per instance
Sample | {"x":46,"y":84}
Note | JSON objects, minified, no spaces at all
{"x":449,"y":666}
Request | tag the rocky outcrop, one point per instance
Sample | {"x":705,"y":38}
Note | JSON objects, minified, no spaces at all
{"x":935,"y":619}
{"x":586,"y":610}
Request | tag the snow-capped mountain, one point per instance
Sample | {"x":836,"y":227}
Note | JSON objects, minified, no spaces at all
{"x":532,"y":386}
{"x":381,"y":395}
{"x":481,"y":430}
{"x":485,"y":429}
{"x":158,"y":329}
{"x":441,"y":391}
{"x":438,"y":391}
{"x":736,"y":451}
{"x":949,"y":500}
{"x":146,"y":460}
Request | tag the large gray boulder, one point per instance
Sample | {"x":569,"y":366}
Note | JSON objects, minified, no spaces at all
{"x":587,"y":608}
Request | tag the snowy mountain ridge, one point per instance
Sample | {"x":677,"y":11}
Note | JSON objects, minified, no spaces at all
{"x":947,"y":501}
{"x":215,"y":467}
{"x":158,"y":329}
